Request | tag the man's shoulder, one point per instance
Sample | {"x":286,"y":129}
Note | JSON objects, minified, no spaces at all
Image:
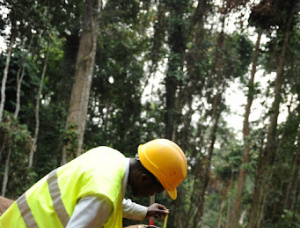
{"x":107,"y":152}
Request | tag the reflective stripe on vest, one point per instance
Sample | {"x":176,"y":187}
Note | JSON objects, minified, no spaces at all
{"x":26,"y":212}
{"x":58,"y":204}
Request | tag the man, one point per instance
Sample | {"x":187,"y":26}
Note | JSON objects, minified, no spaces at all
{"x":88,"y":191}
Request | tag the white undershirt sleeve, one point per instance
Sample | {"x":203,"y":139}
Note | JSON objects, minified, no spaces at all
{"x":90,"y":212}
{"x":133,"y":211}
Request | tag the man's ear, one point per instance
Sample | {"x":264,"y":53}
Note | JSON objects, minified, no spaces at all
{"x":144,"y":178}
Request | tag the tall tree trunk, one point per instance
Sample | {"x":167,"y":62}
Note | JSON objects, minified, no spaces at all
{"x":196,"y":81}
{"x":217,"y":108}
{"x":3,"y":87}
{"x":6,"y":171}
{"x":246,"y":150}
{"x":177,"y":38}
{"x":7,"y":139}
{"x":291,"y":193}
{"x":3,"y":144}
{"x":222,"y":205}
{"x":5,"y":74}
{"x":83,"y":77}
{"x":37,"y":107}
{"x":171,"y":111}
{"x":20,"y":76}
{"x":267,"y":158}
{"x":8,"y":146}
{"x":177,"y":44}
{"x":213,"y":132}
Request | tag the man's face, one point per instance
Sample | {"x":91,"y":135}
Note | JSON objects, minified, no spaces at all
{"x":147,"y":185}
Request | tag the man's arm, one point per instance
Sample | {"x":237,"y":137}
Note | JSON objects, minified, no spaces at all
{"x":90,"y":212}
{"x":138,"y":212}
{"x":133,"y":210}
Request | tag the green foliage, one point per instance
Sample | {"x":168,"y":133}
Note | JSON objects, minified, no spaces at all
{"x":29,"y":84}
{"x":289,"y":219}
{"x":11,"y":129}
{"x":117,"y":81}
{"x":49,"y":145}
{"x":125,"y":11}
{"x":238,"y":54}
{"x":210,"y":219}
{"x":16,"y":140}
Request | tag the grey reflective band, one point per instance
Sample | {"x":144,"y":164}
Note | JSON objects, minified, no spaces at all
{"x":26,"y":212}
{"x":58,"y":204}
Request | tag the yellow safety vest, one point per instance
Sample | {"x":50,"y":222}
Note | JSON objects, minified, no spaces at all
{"x":51,"y":201}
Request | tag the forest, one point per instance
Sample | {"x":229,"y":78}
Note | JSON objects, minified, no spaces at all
{"x":79,"y":74}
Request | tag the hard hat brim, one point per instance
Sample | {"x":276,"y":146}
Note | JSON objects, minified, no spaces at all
{"x":172,"y":194}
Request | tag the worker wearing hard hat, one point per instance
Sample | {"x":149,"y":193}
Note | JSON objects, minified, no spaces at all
{"x":88,"y":191}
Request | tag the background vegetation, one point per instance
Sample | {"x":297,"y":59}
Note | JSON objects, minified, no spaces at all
{"x":79,"y":74}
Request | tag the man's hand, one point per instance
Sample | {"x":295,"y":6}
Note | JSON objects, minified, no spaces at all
{"x":157,"y":211}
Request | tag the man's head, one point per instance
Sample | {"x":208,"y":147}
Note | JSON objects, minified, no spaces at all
{"x":164,"y":165}
{"x":142,"y":182}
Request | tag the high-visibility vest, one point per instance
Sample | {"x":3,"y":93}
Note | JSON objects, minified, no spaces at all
{"x":51,"y":201}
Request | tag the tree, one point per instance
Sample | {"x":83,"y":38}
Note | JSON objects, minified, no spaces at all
{"x":13,"y":37}
{"x":15,"y":138}
{"x":37,"y":108}
{"x":246,"y":136}
{"x":83,"y":79}
{"x":266,"y":160}
{"x":177,"y":40}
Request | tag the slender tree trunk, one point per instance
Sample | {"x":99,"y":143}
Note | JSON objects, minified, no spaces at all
{"x":171,"y":111}
{"x":290,"y":138}
{"x":4,"y":79}
{"x":194,"y":55}
{"x":230,"y":188}
{"x":222,"y":205}
{"x":8,"y":145}
{"x":20,"y":76}
{"x":3,"y":144}
{"x":6,"y":172}
{"x":83,"y":77}
{"x":215,"y":118}
{"x":37,"y":107}
{"x":217,"y":108}
{"x":266,"y":161}
{"x":177,"y":44}
{"x":291,"y":193}
{"x":246,"y":150}
{"x":5,"y":74}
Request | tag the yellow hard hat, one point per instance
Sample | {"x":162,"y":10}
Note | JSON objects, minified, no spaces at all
{"x":166,"y":161}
